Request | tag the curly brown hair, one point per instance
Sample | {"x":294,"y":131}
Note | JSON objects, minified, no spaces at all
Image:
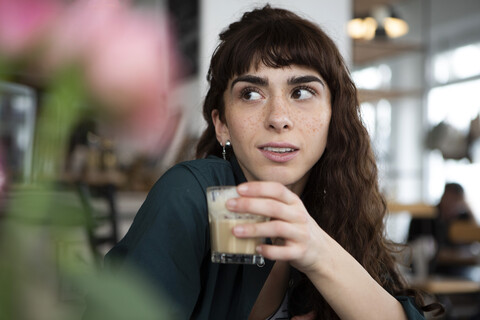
{"x":342,"y":192}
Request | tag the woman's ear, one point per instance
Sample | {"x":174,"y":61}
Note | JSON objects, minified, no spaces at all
{"x":221,"y":129}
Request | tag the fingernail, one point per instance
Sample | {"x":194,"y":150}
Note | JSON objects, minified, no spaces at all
{"x":231,"y":203}
{"x":242,"y":188}
{"x":259,"y":249}
{"x":239,"y":230}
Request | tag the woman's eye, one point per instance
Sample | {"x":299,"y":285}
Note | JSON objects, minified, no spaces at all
{"x":302,"y":93}
{"x":251,"y":95}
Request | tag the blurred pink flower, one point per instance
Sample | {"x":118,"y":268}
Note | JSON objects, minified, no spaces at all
{"x":130,"y":68}
{"x":78,"y":27}
{"x":23,"y":22}
{"x":127,"y":58}
{"x":130,"y":62}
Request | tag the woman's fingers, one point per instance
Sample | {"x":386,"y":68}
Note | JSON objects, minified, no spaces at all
{"x":279,"y":253}
{"x":271,"y":229}
{"x":266,"y":207}
{"x":290,"y":221}
{"x":270,"y":199}
{"x":267,"y":189}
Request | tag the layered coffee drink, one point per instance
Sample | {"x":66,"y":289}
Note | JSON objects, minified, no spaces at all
{"x":226,"y":248}
{"x":223,"y":239}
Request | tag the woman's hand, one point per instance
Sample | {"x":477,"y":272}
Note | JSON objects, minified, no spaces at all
{"x":301,"y":237}
{"x":341,"y":280}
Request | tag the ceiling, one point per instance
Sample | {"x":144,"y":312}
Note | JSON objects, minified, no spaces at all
{"x":363,"y":7}
{"x":365,"y":52}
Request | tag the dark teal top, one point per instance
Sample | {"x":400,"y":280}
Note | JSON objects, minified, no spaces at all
{"x":169,"y":241}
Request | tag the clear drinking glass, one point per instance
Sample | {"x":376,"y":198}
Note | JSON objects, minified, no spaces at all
{"x":226,"y":248}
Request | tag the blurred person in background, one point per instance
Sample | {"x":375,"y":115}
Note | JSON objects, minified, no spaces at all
{"x":452,"y":207}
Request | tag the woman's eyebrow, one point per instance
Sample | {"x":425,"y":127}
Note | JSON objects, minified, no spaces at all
{"x":304,"y":79}
{"x":251,"y":79}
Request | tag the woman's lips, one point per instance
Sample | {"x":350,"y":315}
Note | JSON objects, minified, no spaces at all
{"x":279,"y":152}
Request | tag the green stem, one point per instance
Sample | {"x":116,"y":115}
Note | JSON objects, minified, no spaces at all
{"x":62,"y":106}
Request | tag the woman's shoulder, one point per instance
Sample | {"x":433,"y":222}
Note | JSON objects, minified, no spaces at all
{"x":176,"y":201}
{"x":209,"y":163}
{"x":206,"y":172}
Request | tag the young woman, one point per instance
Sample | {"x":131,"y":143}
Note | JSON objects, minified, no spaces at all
{"x":283,"y":111}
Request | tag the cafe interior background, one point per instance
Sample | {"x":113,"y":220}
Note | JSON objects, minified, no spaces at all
{"x":83,"y":138}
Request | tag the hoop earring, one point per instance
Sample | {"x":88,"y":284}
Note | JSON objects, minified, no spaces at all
{"x":224,"y":151}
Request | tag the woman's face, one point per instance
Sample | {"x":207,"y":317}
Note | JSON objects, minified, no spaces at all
{"x":277,"y":122}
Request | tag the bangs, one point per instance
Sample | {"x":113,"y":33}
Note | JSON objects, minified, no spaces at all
{"x":275,"y":44}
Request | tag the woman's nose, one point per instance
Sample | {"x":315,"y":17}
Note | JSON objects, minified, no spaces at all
{"x":278,"y":115}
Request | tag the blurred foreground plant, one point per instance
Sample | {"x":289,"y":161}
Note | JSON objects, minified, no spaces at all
{"x":103,"y":59}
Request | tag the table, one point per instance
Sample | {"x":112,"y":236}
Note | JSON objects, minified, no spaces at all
{"x":446,"y":285}
{"x":464,"y":232}
{"x":416,"y":210}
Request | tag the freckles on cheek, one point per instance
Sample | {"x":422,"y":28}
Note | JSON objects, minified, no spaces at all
{"x":240,"y":126}
{"x":314,"y":125}
{"x":250,"y":123}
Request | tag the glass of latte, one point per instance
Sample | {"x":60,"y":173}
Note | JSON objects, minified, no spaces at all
{"x":226,"y":248}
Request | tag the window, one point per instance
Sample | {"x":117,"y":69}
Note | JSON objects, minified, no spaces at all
{"x":454,"y":101}
{"x":460,"y":63}
{"x":17,"y":118}
{"x":371,"y":78}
